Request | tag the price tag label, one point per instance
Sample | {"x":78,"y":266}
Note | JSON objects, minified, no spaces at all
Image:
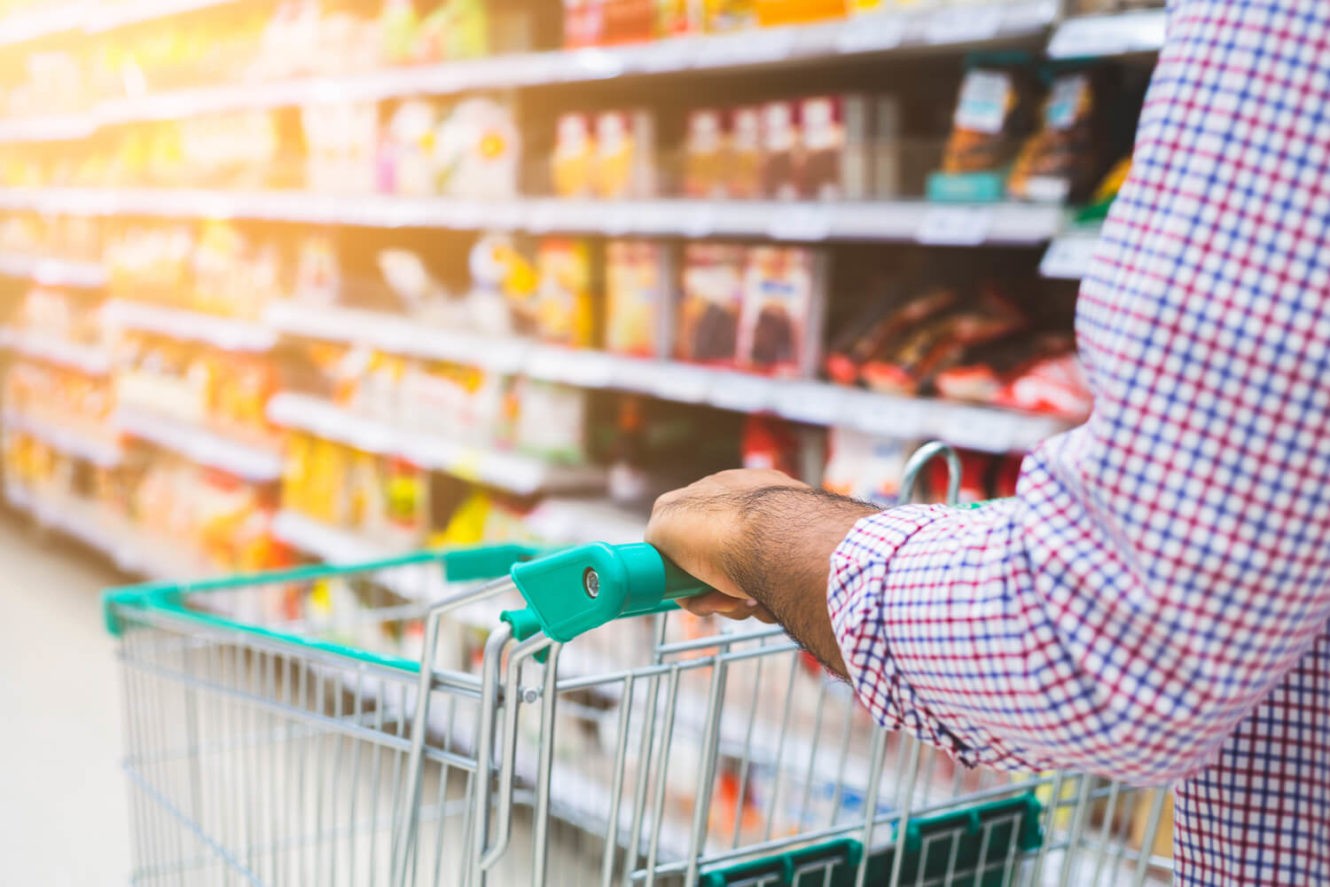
{"x":871,"y":33}
{"x":807,"y":223}
{"x":964,"y":24}
{"x":594,"y":64}
{"x":955,"y":225}
{"x":812,"y":402}
{"x":742,"y":393}
{"x":1069,"y":257}
{"x":681,"y":383}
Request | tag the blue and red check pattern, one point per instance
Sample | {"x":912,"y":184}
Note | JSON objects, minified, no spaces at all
{"x":1153,"y":605}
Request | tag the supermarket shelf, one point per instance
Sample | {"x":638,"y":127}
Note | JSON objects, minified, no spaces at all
{"x":85,"y":358}
{"x":221,"y":332}
{"x":53,"y":272}
{"x":91,"y":17}
{"x":200,"y":445}
{"x":514,"y":472}
{"x":62,"y":128}
{"x":396,"y":335}
{"x":102,"y":453}
{"x":948,"y":28}
{"x":814,"y":403}
{"x":882,"y":221}
{"x":131,"y":550}
{"x":1070,"y":254}
{"x":1104,"y":36}
{"x":101,"y":17}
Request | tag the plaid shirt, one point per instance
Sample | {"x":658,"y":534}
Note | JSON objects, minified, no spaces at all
{"x":1153,"y":605}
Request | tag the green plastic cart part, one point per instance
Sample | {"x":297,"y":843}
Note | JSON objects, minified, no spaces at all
{"x":570,"y":592}
{"x":1013,"y":831}
{"x":486,"y":562}
{"x":798,"y":868}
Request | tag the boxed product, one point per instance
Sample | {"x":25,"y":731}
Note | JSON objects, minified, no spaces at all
{"x":711,"y":300}
{"x":730,"y":15}
{"x":341,"y":140}
{"x":478,"y":150}
{"x":992,"y":117}
{"x":574,"y":156}
{"x":505,"y":283}
{"x":706,"y":155}
{"x":565,"y":310}
{"x":551,"y":421}
{"x":779,"y":323}
{"x":1058,"y":163}
{"x":781,"y":145}
{"x":608,"y":22}
{"x":636,"y":298}
{"x":625,"y":164}
{"x":774,"y":13}
{"x":677,"y":18}
{"x":744,"y":167}
{"x":406,"y":154}
{"x":865,"y":467}
{"x":772,"y":445}
{"x":848,"y":146}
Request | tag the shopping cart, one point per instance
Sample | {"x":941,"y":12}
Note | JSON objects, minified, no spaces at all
{"x":420,"y":721}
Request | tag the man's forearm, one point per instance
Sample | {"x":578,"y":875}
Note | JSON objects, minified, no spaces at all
{"x":777,"y":551}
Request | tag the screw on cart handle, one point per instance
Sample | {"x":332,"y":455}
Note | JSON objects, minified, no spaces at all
{"x":573,"y":591}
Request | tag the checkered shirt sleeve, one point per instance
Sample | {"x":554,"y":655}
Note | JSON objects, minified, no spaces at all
{"x":1153,"y":604}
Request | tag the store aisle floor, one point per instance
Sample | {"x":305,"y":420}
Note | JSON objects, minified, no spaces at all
{"x":63,"y":807}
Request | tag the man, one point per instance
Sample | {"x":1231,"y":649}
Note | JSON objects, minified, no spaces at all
{"x":1153,"y":604}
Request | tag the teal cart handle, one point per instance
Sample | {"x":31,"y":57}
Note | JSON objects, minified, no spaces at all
{"x":573,"y":591}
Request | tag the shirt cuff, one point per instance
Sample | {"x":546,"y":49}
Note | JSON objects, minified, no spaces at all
{"x":855,"y":601}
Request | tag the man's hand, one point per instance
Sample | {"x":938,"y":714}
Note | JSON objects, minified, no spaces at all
{"x":764,"y":542}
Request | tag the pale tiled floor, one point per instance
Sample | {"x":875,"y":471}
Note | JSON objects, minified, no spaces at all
{"x":63,"y":805}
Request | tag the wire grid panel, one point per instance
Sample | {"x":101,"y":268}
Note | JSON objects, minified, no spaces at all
{"x":690,"y":754}
{"x":255,"y":760}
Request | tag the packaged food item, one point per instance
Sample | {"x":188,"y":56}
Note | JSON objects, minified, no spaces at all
{"x":908,"y":365}
{"x":712,"y":297}
{"x":478,"y":151}
{"x":1059,"y":161}
{"x":583,"y":23}
{"x":863,"y":466}
{"x":406,"y":502}
{"x":574,"y":154}
{"x":774,"y":13}
{"x":772,"y":445}
{"x":882,"y":325}
{"x":730,"y":15}
{"x":551,"y":421}
{"x":1055,"y":386}
{"x":677,"y":18}
{"x":781,"y":146}
{"x":992,"y":117}
{"x":842,"y":137}
{"x":778,"y":324}
{"x":744,"y":171}
{"x":625,"y":165}
{"x":565,"y":310}
{"x":984,"y":369}
{"x":341,"y":139}
{"x":636,"y":317}
{"x":706,"y":155}
{"x":406,"y":157}
{"x":505,"y":282}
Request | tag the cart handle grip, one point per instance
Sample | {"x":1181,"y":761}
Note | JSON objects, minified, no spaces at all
{"x":573,"y":591}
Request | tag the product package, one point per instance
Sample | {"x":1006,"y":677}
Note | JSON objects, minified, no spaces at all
{"x":1058,"y":163}
{"x":779,"y":323}
{"x":565,"y":309}
{"x":706,"y":155}
{"x":406,"y":154}
{"x":865,"y":467}
{"x":551,"y":421}
{"x":724,"y":16}
{"x":774,"y":13}
{"x":848,"y":145}
{"x":478,"y":150}
{"x":637,"y":316}
{"x":572,"y":164}
{"x":992,"y":117}
{"x":771,"y":445}
{"x":711,"y":300}
{"x":744,"y":169}
{"x":625,"y":156}
{"x":341,"y":140}
{"x":504,"y":285}
{"x":781,"y":143}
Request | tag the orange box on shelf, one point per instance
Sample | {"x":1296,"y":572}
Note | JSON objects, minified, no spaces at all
{"x":773,"y":13}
